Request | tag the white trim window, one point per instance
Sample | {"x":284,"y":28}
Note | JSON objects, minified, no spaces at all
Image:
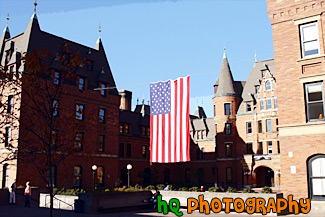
{"x":249,"y":128}
{"x":262,"y":105}
{"x":268,"y":85}
{"x":268,"y":125}
{"x":268,"y":104}
{"x":309,"y":39}
{"x":314,"y":101}
{"x":248,"y":106}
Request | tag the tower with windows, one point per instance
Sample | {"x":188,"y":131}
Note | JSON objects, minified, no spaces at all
{"x":226,"y":102}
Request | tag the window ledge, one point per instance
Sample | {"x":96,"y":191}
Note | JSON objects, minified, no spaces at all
{"x":310,"y":58}
{"x":320,"y":122}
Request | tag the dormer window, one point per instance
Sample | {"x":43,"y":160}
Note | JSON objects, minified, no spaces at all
{"x":268,"y":85}
{"x":248,"y":107}
{"x":103,"y":89}
{"x":257,"y":87}
{"x":263,"y":72}
{"x":81,"y":84}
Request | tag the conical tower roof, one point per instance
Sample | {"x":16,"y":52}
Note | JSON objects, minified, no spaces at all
{"x":226,"y":81}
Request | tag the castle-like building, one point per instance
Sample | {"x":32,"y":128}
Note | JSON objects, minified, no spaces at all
{"x":266,"y":131}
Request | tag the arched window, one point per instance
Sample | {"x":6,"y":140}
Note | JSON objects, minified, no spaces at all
{"x":316,"y":177}
{"x":77,"y":177}
{"x":100,"y":176}
{"x":268,"y":85}
{"x":5,"y":176}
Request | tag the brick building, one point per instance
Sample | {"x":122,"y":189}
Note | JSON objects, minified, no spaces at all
{"x":95,"y":124}
{"x":225,"y":149}
{"x":299,"y":36}
{"x":267,"y":130}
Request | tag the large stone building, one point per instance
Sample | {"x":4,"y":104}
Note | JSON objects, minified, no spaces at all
{"x":266,"y":131}
{"x":299,"y":36}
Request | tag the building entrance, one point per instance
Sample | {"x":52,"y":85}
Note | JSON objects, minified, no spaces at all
{"x":264,"y":176}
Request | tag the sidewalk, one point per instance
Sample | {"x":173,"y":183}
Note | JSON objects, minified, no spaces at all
{"x":20,"y":211}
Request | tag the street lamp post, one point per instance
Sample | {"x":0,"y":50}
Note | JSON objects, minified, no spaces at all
{"x":94,"y":168}
{"x":129,"y":167}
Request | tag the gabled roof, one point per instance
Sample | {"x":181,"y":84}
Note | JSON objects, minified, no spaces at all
{"x":253,"y":80}
{"x":206,"y":124}
{"x":200,"y":112}
{"x":35,"y":39}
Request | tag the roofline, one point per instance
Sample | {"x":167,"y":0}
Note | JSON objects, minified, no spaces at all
{"x":8,"y":39}
{"x":265,"y":60}
{"x":68,"y":40}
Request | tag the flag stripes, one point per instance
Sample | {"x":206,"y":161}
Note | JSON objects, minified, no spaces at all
{"x":169,"y":125}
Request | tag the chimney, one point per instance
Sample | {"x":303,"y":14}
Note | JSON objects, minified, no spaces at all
{"x":126,"y":99}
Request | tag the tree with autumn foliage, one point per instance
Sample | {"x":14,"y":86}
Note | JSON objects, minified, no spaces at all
{"x":47,"y":132}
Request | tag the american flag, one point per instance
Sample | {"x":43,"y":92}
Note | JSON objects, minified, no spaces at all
{"x":169,"y":121}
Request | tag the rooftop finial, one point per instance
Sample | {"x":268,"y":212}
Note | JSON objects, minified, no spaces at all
{"x":224,"y":51}
{"x":255,"y":56}
{"x":7,"y":18}
{"x":35,"y":4}
{"x":99,"y":29}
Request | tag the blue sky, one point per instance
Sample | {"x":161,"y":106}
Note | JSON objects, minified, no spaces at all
{"x":152,"y":40}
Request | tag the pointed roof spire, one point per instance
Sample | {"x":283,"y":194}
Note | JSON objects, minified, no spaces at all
{"x":226,"y":81}
{"x":99,"y":44}
{"x":7,"y":21}
{"x":6,"y":32}
{"x":5,"y":35}
{"x":33,"y":23}
{"x":224,"y":52}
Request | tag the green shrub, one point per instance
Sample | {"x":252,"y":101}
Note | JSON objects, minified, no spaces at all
{"x":231,"y":190}
{"x":172,"y":187}
{"x":160,"y":186}
{"x":214,"y":189}
{"x":248,"y":190}
{"x":266,"y":190}
{"x":138,"y":187}
{"x":150,"y":187}
{"x":72,"y":191}
{"x":196,"y":189}
{"x":183,"y":189}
